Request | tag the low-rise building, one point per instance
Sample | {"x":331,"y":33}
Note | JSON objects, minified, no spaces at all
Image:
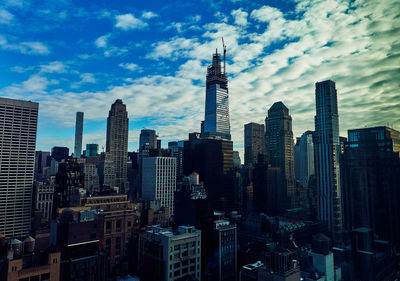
{"x":166,"y":254}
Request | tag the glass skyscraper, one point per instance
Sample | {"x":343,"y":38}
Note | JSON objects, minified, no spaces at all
{"x":216,"y":121}
{"x":327,"y":152}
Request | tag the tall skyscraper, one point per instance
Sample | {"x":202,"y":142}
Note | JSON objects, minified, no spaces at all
{"x":279,"y":147}
{"x":117,"y":142}
{"x":78,"y":135}
{"x":18,"y":126}
{"x":254,"y":143}
{"x":216,"y":122}
{"x":159,"y":180}
{"x":304,"y":158}
{"x":327,"y":151}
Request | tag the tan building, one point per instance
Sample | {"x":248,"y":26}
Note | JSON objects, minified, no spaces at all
{"x":25,"y":269}
{"x":121,"y":220}
{"x":44,"y":197}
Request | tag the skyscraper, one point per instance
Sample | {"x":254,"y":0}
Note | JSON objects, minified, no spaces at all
{"x":327,"y":151}
{"x":216,"y":122}
{"x":78,"y":135}
{"x":304,"y":158}
{"x":148,"y":138}
{"x":117,"y":142}
{"x":159,"y":180}
{"x":18,"y":125}
{"x":279,"y":147}
{"x":253,"y":142}
{"x":371,"y":178}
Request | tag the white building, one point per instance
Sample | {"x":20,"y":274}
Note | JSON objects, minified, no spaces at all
{"x":304,"y":158}
{"x":168,"y":255}
{"x":18,"y":126}
{"x":159,"y":180}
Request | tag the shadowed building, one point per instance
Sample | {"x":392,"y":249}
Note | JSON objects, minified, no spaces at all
{"x":327,"y":153}
{"x":279,"y":148}
{"x":78,"y":135}
{"x":371,"y":182}
{"x":254,"y":142}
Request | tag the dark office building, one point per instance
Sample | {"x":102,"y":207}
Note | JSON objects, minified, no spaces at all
{"x":40,"y":162}
{"x":78,"y":232}
{"x":212,"y":159}
{"x":254,"y":142}
{"x":59,"y":153}
{"x":177,"y":148}
{"x":191,"y":204}
{"x":268,"y":195}
{"x":280,"y":148}
{"x":371,"y":182}
{"x":69,"y":179}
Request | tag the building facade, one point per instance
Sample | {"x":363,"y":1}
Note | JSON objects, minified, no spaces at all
{"x":44,"y":197}
{"x":327,"y":154}
{"x":254,"y":143}
{"x":78,"y":135}
{"x":121,"y":219}
{"x":117,"y":142}
{"x":216,"y":118}
{"x":168,"y":255}
{"x":159,"y":180}
{"x":280,"y":148}
{"x":304,"y":158}
{"x":371,"y":178}
{"x":18,"y":126}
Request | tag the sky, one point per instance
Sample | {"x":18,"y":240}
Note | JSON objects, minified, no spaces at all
{"x":83,"y":55}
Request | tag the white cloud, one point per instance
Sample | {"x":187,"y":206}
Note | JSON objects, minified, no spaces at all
{"x":130,"y":66}
{"x":5,"y":16}
{"x":87,"y":78}
{"x":266,"y":14}
{"x":53,"y":67}
{"x":129,"y":21}
{"x":101,"y":42}
{"x":34,"y":48}
{"x":240,"y":17}
{"x":149,"y":15}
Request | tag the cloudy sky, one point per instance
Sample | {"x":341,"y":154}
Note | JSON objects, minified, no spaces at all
{"x":82,"y":55}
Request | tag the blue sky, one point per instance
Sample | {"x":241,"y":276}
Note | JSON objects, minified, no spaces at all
{"x":82,"y":55}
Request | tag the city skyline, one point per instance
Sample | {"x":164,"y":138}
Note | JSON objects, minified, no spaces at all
{"x":267,"y":61}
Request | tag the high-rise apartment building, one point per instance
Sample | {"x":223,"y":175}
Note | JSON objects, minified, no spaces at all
{"x":304,"y":158}
{"x":327,"y":152}
{"x":18,"y":126}
{"x":159,"y":180}
{"x":216,"y":121}
{"x":168,"y":255}
{"x":117,"y":142}
{"x":78,"y":135}
{"x":254,"y":142}
{"x":280,"y":148}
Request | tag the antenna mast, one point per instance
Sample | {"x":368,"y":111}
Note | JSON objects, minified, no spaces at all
{"x":224,"y":46}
